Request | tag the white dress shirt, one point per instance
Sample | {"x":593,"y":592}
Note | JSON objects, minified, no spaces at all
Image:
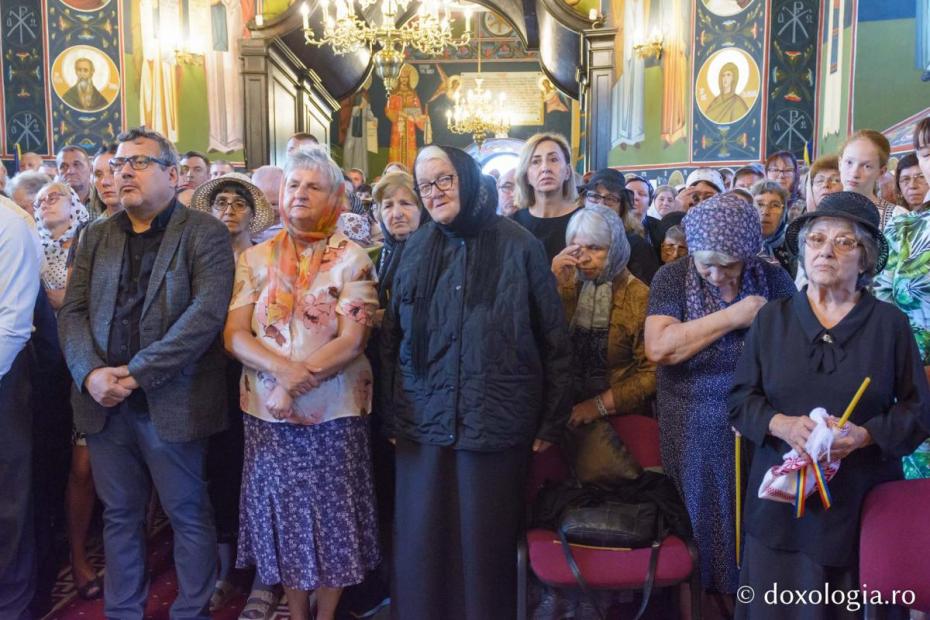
{"x":19,"y":285}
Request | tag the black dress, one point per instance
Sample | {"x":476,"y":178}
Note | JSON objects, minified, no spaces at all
{"x":792,"y":364}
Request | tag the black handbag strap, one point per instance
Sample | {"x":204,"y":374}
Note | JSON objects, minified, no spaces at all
{"x":647,"y":584}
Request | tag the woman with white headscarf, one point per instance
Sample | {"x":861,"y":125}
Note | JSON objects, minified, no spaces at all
{"x":59,"y":215}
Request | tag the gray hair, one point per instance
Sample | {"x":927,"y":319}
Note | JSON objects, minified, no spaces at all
{"x":770,"y":187}
{"x":30,"y":181}
{"x":714,"y":258}
{"x":589,"y":224}
{"x":431,"y":152}
{"x":314,"y":157}
{"x":677,"y":233}
{"x":867,"y":260}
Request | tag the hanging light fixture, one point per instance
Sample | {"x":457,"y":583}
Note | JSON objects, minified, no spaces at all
{"x":429,"y":32}
{"x":479,"y":112}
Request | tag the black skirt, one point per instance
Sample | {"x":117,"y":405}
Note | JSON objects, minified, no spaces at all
{"x":458,"y":516}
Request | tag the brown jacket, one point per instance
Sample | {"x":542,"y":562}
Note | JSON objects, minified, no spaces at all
{"x":632,"y":376}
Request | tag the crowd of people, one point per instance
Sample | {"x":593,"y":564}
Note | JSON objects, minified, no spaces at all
{"x":340,"y":385}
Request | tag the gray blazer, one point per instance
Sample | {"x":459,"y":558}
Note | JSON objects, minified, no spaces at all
{"x":181,"y":362}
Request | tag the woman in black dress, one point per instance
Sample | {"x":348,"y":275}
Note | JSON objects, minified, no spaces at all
{"x":475,"y":371}
{"x":813,"y":350}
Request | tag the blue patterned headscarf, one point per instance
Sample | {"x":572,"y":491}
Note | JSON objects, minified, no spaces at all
{"x":728,"y":224}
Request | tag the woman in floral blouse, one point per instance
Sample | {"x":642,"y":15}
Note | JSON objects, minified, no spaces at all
{"x":298,"y":321}
{"x":905,"y":281}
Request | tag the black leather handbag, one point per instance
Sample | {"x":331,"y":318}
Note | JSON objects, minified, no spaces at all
{"x":613,"y":524}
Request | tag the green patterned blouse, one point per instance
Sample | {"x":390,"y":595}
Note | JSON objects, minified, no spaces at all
{"x":905,"y":282}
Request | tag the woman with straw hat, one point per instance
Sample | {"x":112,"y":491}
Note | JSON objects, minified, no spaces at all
{"x":813,"y":350}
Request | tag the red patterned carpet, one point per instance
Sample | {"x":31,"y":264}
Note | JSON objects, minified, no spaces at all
{"x":162,"y":590}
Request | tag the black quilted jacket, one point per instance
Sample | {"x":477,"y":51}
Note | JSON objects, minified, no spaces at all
{"x":498,"y":376}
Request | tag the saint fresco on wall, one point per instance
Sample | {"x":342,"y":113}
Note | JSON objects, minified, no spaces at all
{"x":727,"y":85}
{"x":85,"y":78}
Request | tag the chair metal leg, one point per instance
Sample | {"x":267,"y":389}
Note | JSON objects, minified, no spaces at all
{"x":521,"y":578}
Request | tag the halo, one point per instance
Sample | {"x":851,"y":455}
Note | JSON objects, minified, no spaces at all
{"x":412,"y":74}
{"x":722,"y":57}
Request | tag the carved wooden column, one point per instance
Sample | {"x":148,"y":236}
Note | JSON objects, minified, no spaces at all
{"x":598,"y":60}
{"x":254,"y":55}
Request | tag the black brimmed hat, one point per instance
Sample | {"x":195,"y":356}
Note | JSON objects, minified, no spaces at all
{"x":848,"y":206}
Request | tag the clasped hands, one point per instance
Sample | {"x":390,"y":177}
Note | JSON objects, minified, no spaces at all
{"x":795,"y":430}
{"x":293,"y":379}
{"x":110,"y":385}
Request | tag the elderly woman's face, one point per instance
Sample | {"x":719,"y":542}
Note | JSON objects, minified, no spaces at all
{"x":592,"y":256}
{"x":832,"y":253}
{"x":665,"y":203}
{"x":826,"y":181}
{"x":548,"y":168}
{"x":771,"y":209}
{"x":308,"y":196}
{"x":400,"y":212}
{"x":673,"y":249}
{"x":53,"y":208}
{"x":914,"y":186}
{"x":233,"y":210}
{"x":860,"y":167}
{"x":721,"y":274}
{"x":439,"y":189}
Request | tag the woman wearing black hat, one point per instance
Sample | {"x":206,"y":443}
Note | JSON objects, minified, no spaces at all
{"x":814,"y":350}
{"x":476,"y":369}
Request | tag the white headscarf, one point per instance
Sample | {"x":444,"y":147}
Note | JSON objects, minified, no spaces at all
{"x":55,"y":270}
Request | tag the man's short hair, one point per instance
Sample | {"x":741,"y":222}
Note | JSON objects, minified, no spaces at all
{"x":166,"y":150}
{"x":302,"y":135}
{"x":72,"y":148}
{"x":106,"y":149}
{"x":84,"y":59}
{"x":190,"y":154}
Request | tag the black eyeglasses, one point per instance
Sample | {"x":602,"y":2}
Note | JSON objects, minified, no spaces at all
{"x":137,"y":162}
{"x":611,"y":200}
{"x":443,"y":183}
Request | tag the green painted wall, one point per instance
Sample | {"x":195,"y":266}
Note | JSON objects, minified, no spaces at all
{"x":887,"y":85}
{"x":653,"y":149}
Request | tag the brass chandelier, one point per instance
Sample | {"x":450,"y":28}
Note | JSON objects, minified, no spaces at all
{"x":429,"y":31}
{"x":479,"y":112}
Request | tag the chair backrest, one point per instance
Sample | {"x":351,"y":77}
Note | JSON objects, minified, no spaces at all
{"x":639,"y":433}
{"x":894,"y":540}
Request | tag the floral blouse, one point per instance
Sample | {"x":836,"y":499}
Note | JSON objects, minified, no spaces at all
{"x":344,"y":286}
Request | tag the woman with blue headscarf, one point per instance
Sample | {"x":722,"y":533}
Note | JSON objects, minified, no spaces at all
{"x":771,"y":201}
{"x":699,"y":310}
{"x":605,"y":306}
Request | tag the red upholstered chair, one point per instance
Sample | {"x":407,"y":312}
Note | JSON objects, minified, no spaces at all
{"x":894,"y":541}
{"x":607,"y":569}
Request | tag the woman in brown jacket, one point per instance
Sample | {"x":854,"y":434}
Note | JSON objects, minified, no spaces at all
{"x":606,"y":309}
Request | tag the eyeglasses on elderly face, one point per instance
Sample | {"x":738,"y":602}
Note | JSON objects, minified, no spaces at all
{"x":136,"y":162}
{"x":841,"y":245}
{"x":610,"y":200}
{"x":443,"y":183}
{"x":780,"y":172}
{"x":49,"y":198}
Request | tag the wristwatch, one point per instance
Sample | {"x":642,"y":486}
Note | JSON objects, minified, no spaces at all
{"x":601,"y":408}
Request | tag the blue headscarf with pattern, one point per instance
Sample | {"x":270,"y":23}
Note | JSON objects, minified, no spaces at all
{"x":724,"y":223}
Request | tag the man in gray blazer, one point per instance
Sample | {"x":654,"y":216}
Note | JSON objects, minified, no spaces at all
{"x":140,"y":329}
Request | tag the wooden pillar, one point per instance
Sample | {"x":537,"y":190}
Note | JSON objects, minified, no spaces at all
{"x":254,"y":56}
{"x":598,"y":50}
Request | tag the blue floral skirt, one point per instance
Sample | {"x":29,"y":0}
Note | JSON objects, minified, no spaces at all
{"x":307,"y":511}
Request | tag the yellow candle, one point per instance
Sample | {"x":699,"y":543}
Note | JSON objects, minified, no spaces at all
{"x":739,"y":492}
{"x":854,"y":402}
